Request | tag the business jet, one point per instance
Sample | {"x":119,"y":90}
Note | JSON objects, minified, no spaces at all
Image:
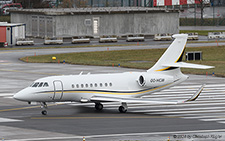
{"x":127,"y":87}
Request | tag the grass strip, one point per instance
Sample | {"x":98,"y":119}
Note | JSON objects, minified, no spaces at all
{"x":140,"y":59}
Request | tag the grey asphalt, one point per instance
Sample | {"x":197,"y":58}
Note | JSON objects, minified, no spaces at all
{"x":72,"y":122}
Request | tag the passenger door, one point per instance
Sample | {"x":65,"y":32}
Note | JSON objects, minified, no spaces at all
{"x":58,"y":90}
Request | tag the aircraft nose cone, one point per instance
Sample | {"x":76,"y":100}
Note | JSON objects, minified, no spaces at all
{"x":18,"y":96}
{"x":21,"y":95}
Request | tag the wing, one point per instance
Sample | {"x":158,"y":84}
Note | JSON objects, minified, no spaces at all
{"x":141,"y":100}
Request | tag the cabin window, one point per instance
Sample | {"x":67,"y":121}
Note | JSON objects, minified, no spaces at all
{"x":91,"y":85}
{"x":110,"y":84}
{"x":86,"y":85}
{"x":77,"y":85}
{"x":72,"y":85}
{"x":100,"y":84}
{"x":35,"y":84}
{"x":82,"y":85}
{"x":106,"y":84}
{"x":96,"y":85}
{"x":45,"y":84}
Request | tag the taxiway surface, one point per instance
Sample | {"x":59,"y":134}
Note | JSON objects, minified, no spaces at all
{"x":73,"y":121}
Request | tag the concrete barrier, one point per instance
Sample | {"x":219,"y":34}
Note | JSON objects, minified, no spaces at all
{"x":108,"y":39}
{"x":53,"y":41}
{"x":216,"y":35}
{"x":135,"y":38}
{"x":80,"y":39}
{"x":24,"y":41}
{"x":192,"y":36}
{"x":163,"y":37}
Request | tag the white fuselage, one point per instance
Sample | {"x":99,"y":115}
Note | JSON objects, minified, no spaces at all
{"x":81,"y":88}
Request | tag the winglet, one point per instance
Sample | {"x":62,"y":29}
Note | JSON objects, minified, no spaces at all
{"x":195,"y":96}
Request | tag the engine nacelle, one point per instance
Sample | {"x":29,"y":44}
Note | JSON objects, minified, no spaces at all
{"x":153,"y":80}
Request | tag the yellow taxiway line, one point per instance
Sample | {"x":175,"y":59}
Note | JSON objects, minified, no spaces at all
{"x":16,"y":109}
{"x":30,"y":107}
{"x":116,"y":117}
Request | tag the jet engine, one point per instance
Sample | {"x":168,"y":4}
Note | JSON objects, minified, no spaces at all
{"x":153,"y":80}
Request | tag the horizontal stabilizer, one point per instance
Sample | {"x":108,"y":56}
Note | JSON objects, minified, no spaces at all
{"x":187,"y":65}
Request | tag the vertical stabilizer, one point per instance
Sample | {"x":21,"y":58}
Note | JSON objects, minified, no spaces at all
{"x":173,"y":54}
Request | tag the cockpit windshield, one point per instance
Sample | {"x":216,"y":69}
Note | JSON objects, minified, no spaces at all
{"x":45,"y":84}
{"x":39,"y":84}
{"x":35,"y":84}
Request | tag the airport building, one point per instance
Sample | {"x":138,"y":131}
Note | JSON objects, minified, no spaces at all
{"x":96,"y":22}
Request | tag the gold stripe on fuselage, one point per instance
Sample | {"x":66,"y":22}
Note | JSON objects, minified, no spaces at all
{"x":112,"y":93}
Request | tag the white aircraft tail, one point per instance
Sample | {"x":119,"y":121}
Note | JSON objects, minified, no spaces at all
{"x":172,"y":57}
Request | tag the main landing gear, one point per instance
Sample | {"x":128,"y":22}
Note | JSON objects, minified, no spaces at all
{"x":44,"y":108}
{"x":98,"y":106}
{"x":123,"y":108}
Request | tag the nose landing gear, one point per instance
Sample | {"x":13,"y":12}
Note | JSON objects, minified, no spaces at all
{"x":44,"y":108}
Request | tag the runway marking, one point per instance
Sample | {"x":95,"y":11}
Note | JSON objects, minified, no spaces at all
{"x":196,"y":86}
{"x":214,"y":119}
{"x":179,"y":109}
{"x":223,"y":122}
{"x":6,"y":94}
{"x":200,"y":117}
{"x":10,"y":97}
{"x":206,"y":111}
{"x":9,"y":120}
{"x":118,"y":135}
{"x":3,"y":61}
{"x":121,"y":117}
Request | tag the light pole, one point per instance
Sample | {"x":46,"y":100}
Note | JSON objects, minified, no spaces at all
{"x":213,"y":12}
{"x":195,"y":13}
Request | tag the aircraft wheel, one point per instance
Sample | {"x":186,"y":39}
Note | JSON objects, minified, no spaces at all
{"x":44,"y":112}
{"x":122,"y":109}
{"x":98,"y":106}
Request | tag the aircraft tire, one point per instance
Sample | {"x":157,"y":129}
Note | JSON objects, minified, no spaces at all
{"x":122,"y":109}
{"x":44,"y":112}
{"x":98,"y":106}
